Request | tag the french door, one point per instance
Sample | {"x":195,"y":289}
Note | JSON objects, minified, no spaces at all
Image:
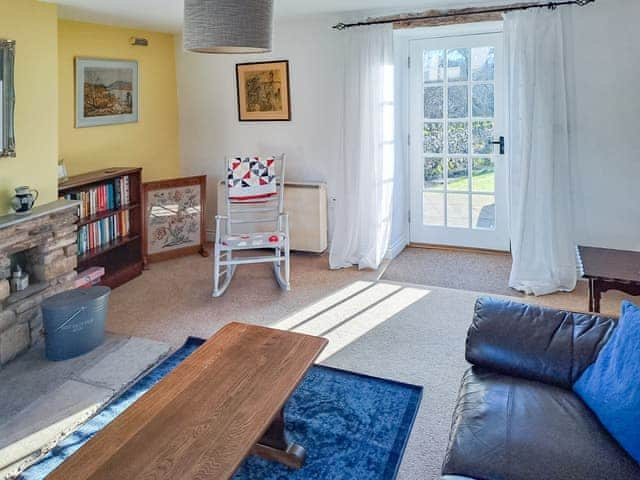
{"x":458,"y":174}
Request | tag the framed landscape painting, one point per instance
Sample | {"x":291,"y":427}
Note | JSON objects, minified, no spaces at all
{"x":106,"y":92}
{"x":263,"y":91}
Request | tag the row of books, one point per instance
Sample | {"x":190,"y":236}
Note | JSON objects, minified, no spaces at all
{"x":103,"y":231}
{"x":107,"y":196}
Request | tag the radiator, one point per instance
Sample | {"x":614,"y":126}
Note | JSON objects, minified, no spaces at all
{"x":306,"y":204}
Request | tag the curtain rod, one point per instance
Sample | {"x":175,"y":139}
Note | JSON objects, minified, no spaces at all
{"x":459,"y":13}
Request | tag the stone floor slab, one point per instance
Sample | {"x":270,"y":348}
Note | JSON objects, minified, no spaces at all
{"x":119,"y":367}
{"x":45,"y":421}
{"x":42,"y":401}
{"x":31,"y":375}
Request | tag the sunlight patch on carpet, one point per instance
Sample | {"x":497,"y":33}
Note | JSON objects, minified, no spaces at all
{"x":352,"y":312}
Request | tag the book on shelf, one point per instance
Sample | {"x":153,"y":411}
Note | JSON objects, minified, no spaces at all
{"x":108,"y":196}
{"x":110,"y":225}
{"x":89,"y":277}
{"x":104,"y":231}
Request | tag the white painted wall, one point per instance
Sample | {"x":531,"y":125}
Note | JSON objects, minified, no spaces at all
{"x":603,"y":59}
{"x":210,"y":128}
{"x":312,"y":140}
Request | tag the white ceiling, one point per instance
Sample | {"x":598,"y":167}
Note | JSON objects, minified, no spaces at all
{"x":166,"y":15}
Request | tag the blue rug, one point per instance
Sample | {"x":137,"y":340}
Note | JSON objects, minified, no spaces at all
{"x":352,"y":426}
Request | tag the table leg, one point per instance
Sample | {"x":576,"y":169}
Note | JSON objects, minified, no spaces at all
{"x":597,"y":295}
{"x":590,"y":295}
{"x":274,"y":445}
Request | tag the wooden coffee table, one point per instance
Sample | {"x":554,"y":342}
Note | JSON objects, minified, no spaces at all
{"x":222,"y":403}
{"x":609,"y":269}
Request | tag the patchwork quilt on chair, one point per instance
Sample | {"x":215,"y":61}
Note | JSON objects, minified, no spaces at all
{"x":251,"y":178}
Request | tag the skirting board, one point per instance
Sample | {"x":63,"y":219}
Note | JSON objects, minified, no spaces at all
{"x":397,"y":247}
{"x":433,"y":246}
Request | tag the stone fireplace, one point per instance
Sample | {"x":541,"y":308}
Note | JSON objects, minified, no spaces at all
{"x":43,"y":244}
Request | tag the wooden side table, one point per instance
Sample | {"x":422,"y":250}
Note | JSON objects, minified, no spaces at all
{"x":608,"y":269}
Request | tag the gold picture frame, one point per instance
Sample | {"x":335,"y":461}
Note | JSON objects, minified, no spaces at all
{"x":263,"y":91}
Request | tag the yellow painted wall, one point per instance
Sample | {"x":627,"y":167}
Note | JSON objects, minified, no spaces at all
{"x":33,"y":26}
{"x":153,"y":142}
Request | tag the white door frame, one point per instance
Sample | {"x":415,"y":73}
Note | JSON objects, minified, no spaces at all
{"x":402,"y":39}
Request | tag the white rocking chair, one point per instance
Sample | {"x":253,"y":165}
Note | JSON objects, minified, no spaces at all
{"x":253,"y":203}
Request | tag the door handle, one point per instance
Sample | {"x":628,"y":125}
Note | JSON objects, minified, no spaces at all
{"x":500,"y":142}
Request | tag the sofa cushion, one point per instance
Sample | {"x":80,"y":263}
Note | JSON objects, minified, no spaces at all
{"x":529,"y":341}
{"x":510,"y":428}
{"x":611,"y":385}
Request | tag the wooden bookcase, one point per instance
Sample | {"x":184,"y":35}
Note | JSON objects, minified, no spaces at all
{"x":121,"y":257}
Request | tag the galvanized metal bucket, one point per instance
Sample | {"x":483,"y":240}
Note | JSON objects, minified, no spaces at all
{"x":74,"y":321}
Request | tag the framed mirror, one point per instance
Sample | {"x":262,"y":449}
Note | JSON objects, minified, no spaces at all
{"x":7,"y":98}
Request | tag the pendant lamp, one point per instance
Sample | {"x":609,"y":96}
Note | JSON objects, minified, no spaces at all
{"x":228,"y":26}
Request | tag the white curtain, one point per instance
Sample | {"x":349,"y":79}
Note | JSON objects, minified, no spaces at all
{"x":363,"y":210}
{"x":544,"y":259}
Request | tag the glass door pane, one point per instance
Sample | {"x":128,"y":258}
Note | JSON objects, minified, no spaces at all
{"x":458,"y":89}
{"x":458,"y":129}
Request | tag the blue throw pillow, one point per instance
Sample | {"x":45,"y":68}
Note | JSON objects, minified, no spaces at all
{"x":611,"y":386}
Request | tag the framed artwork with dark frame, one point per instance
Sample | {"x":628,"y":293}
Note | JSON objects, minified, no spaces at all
{"x":106,"y":92}
{"x":173,"y":222}
{"x":263,"y":91}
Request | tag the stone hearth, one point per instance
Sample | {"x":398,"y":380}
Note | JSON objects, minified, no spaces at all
{"x":44,"y":243}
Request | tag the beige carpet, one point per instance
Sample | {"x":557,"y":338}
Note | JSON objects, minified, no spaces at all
{"x":411,"y":334}
{"x":482,"y":272}
{"x":414,"y":334}
{"x":486,"y":273}
{"x":173,"y":298}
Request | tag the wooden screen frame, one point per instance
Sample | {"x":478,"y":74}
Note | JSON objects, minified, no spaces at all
{"x":200,"y":180}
